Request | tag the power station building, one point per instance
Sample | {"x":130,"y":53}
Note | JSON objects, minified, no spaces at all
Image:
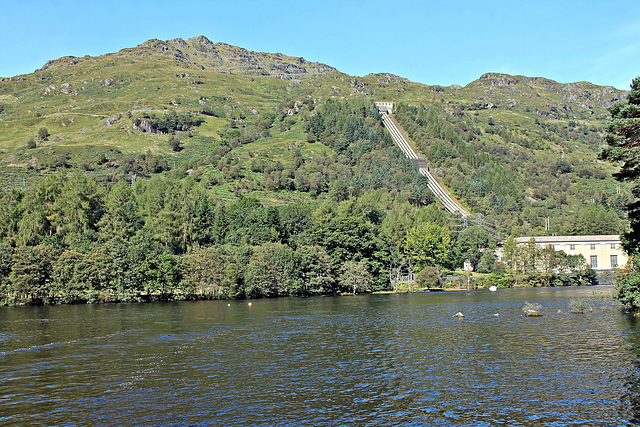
{"x":602,"y":253}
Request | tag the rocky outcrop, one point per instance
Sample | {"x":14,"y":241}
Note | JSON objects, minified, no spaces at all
{"x":386,"y":78}
{"x":550,"y":98}
{"x":202,"y":53}
{"x":143,"y":126}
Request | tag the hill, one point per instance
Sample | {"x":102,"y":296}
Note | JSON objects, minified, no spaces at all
{"x":189,"y":169}
{"x":515,"y":148}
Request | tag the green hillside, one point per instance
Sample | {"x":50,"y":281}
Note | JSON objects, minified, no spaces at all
{"x":546,"y":133}
{"x":164,"y":146}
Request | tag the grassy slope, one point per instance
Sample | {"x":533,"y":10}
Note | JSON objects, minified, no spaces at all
{"x":72,"y":98}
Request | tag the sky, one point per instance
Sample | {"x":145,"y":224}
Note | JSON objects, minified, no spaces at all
{"x":433,"y":42}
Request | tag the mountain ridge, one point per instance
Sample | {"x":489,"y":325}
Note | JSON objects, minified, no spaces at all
{"x":199,"y":52}
{"x":201,"y":44}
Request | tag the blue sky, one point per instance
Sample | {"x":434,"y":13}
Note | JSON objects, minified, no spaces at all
{"x":432,"y":42}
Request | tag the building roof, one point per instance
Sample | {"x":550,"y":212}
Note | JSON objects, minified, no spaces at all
{"x":609,"y":238}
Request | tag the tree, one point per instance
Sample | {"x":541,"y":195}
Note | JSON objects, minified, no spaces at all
{"x":31,"y":273}
{"x":125,"y":284}
{"x":623,"y":146}
{"x":43,"y":134}
{"x":204,"y":272}
{"x":31,"y":143}
{"x":429,"y":244}
{"x":429,"y":278}
{"x":471,"y":244}
{"x":628,"y":285}
{"x":315,"y":270}
{"x":261,"y":274}
{"x":596,"y":219}
{"x":356,"y":276}
{"x":78,"y":207}
{"x":487,"y":262}
{"x":175,"y":143}
{"x":81,"y":277}
{"x":120,"y":218}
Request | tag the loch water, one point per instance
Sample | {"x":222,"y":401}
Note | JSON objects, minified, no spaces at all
{"x":369,"y":360}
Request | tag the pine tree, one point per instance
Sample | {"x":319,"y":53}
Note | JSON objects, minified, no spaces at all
{"x":623,"y":145}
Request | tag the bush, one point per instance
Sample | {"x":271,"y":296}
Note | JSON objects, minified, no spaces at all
{"x":628,"y":284}
{"x":174,"y":143}
{"x":173,"y":121}
{"x":579,"y":305}
{"x":496,"y":280}
{"x":429,"y":278}
{"x":43,"y":134}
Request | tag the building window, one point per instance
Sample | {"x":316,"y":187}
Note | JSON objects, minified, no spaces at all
{"x":593,"y":247}
{"x":614,"y":261}
{"x":613,"y":246}
{"x":593,"y":261}
{"x":572,"y":247}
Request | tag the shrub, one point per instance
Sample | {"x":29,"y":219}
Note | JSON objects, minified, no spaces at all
{"x":43,"y":134}
{"x":174,"y":143}
{"x":429,"y":278}
{"x":579,"y":305}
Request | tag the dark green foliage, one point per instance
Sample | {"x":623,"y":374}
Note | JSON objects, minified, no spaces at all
{"x":471,"y":245}
{"x":6,"y":261}
{"x":487,"y":262}
{"x":595,"y":219}
{"x":175,"y":143}
{"x":172,"y":122}
{"x":623,"y":139}
{"x":167,"y":239}
{"x":43,"y":134}
{"x":429,"y":278}
{"x":31,"y":275}
{"x":628,"y":285}
{"x":486,"y":166}
{"x":352,"y":239}
{"x":31,"y":143}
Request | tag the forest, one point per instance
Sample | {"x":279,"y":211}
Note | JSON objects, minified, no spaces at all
{"x":74,"y":237}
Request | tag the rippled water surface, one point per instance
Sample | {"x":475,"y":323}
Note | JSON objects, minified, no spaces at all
{"x":366,"y":360}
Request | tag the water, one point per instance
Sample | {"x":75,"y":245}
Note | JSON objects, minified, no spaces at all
{"x":375,"y":360}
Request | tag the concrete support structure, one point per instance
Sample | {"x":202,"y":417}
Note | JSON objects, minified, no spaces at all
{"x":385,"y":106}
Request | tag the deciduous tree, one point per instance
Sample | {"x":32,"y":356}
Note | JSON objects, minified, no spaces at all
{"x":355,"y":276}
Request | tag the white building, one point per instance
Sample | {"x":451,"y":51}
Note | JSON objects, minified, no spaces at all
{"x":602,"y":253}
{"x":385,"y":106}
